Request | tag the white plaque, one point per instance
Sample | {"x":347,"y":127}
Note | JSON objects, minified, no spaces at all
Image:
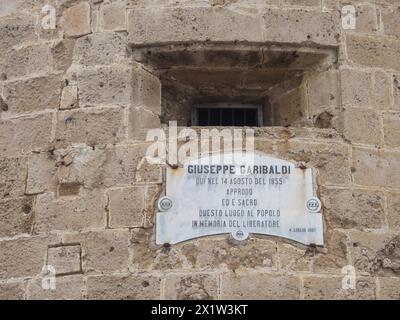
{"x":240,"y":194}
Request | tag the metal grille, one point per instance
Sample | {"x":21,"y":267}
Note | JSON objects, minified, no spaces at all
{"x":230,"y":117}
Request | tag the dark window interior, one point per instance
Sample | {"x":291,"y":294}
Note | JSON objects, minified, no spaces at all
{"x":230,"y":117}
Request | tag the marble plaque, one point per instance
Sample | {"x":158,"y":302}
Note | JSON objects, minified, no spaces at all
{"x":239,"y":194}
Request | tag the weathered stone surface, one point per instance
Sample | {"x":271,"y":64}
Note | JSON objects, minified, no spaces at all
{"x":391,"y":21}
{"x":12,"y":178}
{"x":67,"y":288}
{"x":334,"y":258}
{"x":65,"y":259}
{"x":82,"y":212}
{"x":77,"y":20}
{"x":113,"y":16}
{"x":294,"y":258}
{"x":206,"y":254}
{"x":107,"y":167}
{"x":373,"y":52}
{"x":41,"y":173}
{"x":26,"y":60}
{"x":24,"y":257}
{"x":12,"y":291}
{"x":323,"y":89}
{"x":146,"y":91}
{"x":356,"y":88}
{"x":331,"y":160}
{"x":393,"y":200}
{"x":348,"y":209}
{"x":100,"y":48}
{"x":362,"y":125}
{"x":140,"y":122}
{"x":111,"y":85}
{"x":375,"y":253}
{"x":259,"y":286}
{"x":167,"y":25}
{"x":119,"y":287}
{"x":191,"y":287}
{"x":17,"y":29}
{"x":111,"y":255}
{"x":389,"y":288}
{"x":383,"y":90}
{"x":372,"y":167}
{"x":16,"y":216}
{"x":92,"y":127}
{"x":330,"y":288}
{"x":62,"y":52}
{"x":129,"y":207}
{"x":301,"y":26}
{"x":391,"y":127}
{"x":69,"y":98}
{"x":22,"y":135}
{"x":33,"y":94}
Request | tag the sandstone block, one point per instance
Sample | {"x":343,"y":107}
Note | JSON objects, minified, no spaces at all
{"x":391,"y":21}
{"x":321,"y":288}
{"x":16,"y":216}
{"x":146,"y":90}
{"x":66,"y":259}
{"x":41,"y":173}
{"x":140,"y":122}
{"x":383,"y":90}
{"x":12,"y":179}
{"x":301,"y":26}
{"x":92,"y":127}
{"x":22,"y":135}
{"x":62,"y":52}
{"x":127,"y":207}
{"x":389,"y":288}
{"x":353,"y":208}
{"x":356,"y":87}
{"x":375,"y":253}
{"x":334,"y":258}
{"x":331,"y":160}
{"x":191,"y":287}
{"x":113,"y":16}
{"x":137,"y":287}
{"x":294,"y":258}
{"x":111,"y":85}
{"x":393,"y":200}
{"x":17,"y":29}
{"x":362,"y":126}
{"x":259,"y":286}
{"x":102,"y":251}
{"x":33,"y":94}
{"x":67,"y":288}
{"x":376,"y":168}
{"x":100,"y":48}
{"x":77,"y":20}
{"x":146,"y":26}
{"x":69,"y":98}
{"x":25,"y":61}
{"x":373,"y":52}
{"x":24,"y":257}
{"x":391,"y":127}
{"x":70,"y":213}
{"x":12,"y":291}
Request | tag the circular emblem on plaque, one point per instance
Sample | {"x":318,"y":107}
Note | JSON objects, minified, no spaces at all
{"x":164,"y":204}
{"x":240,"y":235}
{"x":313,"y":204}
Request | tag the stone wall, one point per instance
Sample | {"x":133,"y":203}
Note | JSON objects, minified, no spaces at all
{"x":76,"y":192}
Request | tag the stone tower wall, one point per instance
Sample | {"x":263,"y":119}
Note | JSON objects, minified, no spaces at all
{"x":76,"y":192}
